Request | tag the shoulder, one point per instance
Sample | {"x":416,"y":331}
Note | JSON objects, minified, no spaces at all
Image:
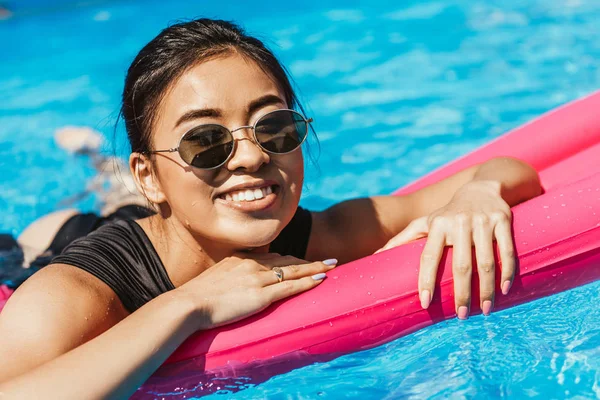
{"x":122,"y":256}
{"x":57,"y":309}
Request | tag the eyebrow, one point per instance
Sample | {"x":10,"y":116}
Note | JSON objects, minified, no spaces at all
{"x":255,"y":105}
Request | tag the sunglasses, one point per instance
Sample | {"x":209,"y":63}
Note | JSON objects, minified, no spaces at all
{"x":209,"y":146}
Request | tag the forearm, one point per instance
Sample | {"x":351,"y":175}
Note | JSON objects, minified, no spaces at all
{"x":356,"y":228}
{"x":516,"y":180}
{"x":116,"y":363}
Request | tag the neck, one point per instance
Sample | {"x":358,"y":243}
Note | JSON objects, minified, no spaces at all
{"x":184,"y":255}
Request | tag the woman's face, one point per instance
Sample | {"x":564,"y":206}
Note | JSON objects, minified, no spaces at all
{"x":231,"y":91}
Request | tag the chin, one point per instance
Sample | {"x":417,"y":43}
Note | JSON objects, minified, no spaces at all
{"x":255,"y":234}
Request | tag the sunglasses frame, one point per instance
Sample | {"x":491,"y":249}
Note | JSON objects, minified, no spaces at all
{"x":307,"y":121}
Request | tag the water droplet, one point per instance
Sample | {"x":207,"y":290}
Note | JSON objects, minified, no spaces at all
{"x":563,"y":205}
{"x":337,"y":291}
{"x":393,"y":309}
{"x":369,"y":293}
{"x":546,"y":206}
{"x":360,"y":276}
{"x":330,"y":323}
{"x":372,"y":277}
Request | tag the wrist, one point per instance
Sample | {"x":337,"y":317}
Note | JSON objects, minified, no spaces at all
{"x":195,"y":311}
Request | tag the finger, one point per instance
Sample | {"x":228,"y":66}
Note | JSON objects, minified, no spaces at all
{"x":417,"y":229}
{"x":503,"y":233}
{"x":430,"y":259}
{"x":282,"y":261}
{"x":257,"y":256}
{"x":462,"y":268}
{"x":289,"y":288}
{"x":484,"y":252}
{"x":299,"y":271}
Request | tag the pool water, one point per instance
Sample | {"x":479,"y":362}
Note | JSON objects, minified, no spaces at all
{"x":395,"y":91}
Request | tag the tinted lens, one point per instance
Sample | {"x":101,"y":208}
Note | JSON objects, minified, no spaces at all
{"x":281,"y":131}
{"x":206,"y":146}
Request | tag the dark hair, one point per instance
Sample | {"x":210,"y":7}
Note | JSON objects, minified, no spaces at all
{"x":176,"y":49}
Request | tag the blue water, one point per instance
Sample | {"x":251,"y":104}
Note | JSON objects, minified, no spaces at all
{"x":395,"y":90}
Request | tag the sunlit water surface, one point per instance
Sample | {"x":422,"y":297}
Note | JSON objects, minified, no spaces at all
{"x":396,"y":91}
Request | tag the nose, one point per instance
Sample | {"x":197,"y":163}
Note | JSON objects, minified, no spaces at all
{"x":247,"y":154}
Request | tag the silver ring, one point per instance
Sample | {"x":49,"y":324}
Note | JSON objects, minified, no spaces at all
{"x":278,"y":273}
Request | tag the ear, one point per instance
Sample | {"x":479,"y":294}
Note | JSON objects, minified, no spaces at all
{"x":145,"y":178}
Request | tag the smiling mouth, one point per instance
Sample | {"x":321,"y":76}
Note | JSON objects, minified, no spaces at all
{"x":249,"y":195}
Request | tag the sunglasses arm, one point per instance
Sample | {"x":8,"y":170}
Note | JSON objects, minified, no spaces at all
{"x":173,"y":150}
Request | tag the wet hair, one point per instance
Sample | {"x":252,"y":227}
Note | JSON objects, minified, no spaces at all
{"x":175,"y":50}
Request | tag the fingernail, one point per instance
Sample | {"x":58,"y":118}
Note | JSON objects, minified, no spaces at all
{"x":487,"y":307}
{"x":425,"y":298}
{"x":505,"y":287}
{"x":319,"y":277}
{"x":330,"y":261}
{"x":463,"y":312}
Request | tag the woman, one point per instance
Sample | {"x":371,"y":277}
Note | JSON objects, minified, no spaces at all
{"x":216,"y":151}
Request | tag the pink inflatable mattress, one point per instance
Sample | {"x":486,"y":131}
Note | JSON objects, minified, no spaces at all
{"x":374,"y":300}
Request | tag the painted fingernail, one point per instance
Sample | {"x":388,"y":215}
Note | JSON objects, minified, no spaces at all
{"x":319,"y":277}
{"x":486,"y":307}
{"x":463,"y":312}
{"x":425,"y":298}
{"x":505,"y":287}
{"x":330,"y":261}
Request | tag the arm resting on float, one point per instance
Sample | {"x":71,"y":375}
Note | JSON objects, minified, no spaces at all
{"x":115,"y":363}
{"x":356,"y":228}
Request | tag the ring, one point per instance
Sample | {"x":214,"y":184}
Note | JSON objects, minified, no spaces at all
{"x":278,"y":273}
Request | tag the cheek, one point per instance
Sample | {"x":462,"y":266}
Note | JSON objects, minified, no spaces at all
{"x":183,"y":189}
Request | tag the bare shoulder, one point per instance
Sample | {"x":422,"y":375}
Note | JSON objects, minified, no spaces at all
{"x":54,"y":311}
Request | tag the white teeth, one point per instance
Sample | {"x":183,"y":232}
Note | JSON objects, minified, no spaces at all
{"x":249,"y":194}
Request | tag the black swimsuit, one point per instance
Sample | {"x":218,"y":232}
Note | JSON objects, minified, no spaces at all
{"x":122,"y":256}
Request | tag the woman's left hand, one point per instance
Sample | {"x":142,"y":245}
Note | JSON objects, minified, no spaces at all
{"x":476,"y":215}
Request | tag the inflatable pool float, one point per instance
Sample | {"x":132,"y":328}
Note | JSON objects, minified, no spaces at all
{"x":374,"y":300}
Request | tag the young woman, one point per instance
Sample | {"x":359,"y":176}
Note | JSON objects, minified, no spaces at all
{"x":216,"y":151}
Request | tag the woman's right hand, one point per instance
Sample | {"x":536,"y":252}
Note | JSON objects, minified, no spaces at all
{"x":245,"y":284}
